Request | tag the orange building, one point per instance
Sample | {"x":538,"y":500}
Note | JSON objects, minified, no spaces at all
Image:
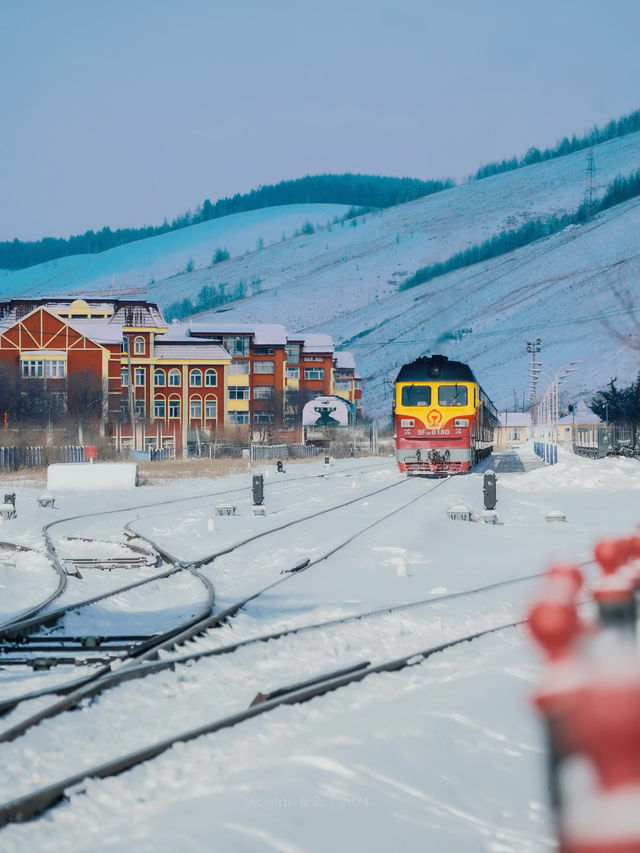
{"x":165,"y":384}
{"x":156,"y":389}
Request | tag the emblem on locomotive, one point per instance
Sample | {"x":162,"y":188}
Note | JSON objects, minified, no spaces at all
{"x":434,"y":417}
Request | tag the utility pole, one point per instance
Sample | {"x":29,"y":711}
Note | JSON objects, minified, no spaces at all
{"x":534,"y":348}
{"x":131,"y":394}
{"x":588,"y":190}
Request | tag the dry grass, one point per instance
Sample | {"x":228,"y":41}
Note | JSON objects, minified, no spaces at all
{"x":23,"y":477}
{"x":153,"y":473}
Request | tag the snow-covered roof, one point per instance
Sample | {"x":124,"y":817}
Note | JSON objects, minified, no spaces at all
{"x":315,"y":342}
{"x":264,"y":334}
{"x":203,"y":351}
{"x":582,"y":416}
{"x":344,"y":360}
{"x":100,"y":331}
{"x":36,"y":353}
{"x":515,"y":419}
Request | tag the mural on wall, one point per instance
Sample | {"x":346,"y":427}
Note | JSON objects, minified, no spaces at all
{"x":326,"y":412}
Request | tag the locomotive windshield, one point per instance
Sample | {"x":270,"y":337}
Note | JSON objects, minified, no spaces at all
{"x":452,"y":395}
{"x":416,"y":395}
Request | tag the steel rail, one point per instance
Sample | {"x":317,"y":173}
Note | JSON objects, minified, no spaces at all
{"x":90,"y":685}
{"x":60,"y":570}
{"x":35,"y":803}
{"x":31,"y":611}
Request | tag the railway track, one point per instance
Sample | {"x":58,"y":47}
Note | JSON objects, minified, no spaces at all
{"x":27,"y":612}
{"x":273,"y":694}
{"x":16,"y":629}
{"x":154,"y":645}
{"x":29,"y":805}
{"x":58,"y":564}
{"x":38,"y":801}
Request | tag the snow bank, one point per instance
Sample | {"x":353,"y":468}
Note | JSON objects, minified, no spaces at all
{"x":87,"y":477}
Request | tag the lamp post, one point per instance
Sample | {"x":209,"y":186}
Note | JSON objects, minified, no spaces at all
{"x":546,"y":410}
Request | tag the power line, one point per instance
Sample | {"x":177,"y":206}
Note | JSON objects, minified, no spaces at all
{"x":515,"y":330}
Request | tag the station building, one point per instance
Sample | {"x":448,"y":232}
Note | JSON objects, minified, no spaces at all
{"x":167,"y":384}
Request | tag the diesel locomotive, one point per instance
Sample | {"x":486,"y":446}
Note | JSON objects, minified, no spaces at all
{"x":444,"y":421}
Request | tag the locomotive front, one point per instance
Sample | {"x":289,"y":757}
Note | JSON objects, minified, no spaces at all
{"x":437,"y":407}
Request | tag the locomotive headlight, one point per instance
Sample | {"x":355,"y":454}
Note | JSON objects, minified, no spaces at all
{"x":407,"y":422}
{"x":461,"y":422}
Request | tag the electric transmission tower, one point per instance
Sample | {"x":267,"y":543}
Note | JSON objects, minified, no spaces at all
{"x":588,"y":190}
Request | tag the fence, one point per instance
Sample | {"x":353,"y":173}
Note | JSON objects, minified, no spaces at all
{"x":210,"y":450}
{"x":281,"y":451}
{"x":600,"y":440}
{"x":14,"y":457}
{"x":300,"y":451}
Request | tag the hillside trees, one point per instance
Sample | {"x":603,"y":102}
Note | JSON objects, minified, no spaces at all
{"x":621,"y":189}
{"x":618,"y":405}
{"x":629,"y":123}
{"x":352,"y":189}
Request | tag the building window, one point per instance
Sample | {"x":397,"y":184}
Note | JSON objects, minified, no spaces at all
{"x":293,"y":372}
{"x":263,"y":350}
{"x":140,"y":410}
{"x":264,"y":367}
{"x":37,"y":368}
{"x":139,"y":376}
{"x":263,"y":392}
{"x":125,"y":344}
{"x":195,"y":409}
{"x":55,"y":368}
{"x":293,"y":353}
{"x":138,"y":346}
{"x":263,"y":418}
{"x":195,"y":378}
{"x":124,"y":377}
{"x":236,"y":345}
{"x":314,"y":373}
{"x":174,"y":407}
{"x":210,"y":378}
{"x":211,"y":408}
{"x":239,"y":368}
{"x":238,"y":392}
{"x":174,"y":377}
{"x":124,"y":410}
{"x":343,"y":386}
{"x":159,"y":408}
{"x":313,"y":358}
{"x":158,"y":377}
{"x":238,"y":418}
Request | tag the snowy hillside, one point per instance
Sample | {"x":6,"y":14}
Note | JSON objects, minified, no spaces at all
{"x":345,"y":281}
{"x":574,"y":290}
{"x":165,"y":256}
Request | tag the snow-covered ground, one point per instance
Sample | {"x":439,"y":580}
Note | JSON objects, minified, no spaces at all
{"x":445,"y":755}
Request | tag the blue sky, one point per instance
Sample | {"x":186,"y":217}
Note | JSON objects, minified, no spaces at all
{"x":125,"y":112}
